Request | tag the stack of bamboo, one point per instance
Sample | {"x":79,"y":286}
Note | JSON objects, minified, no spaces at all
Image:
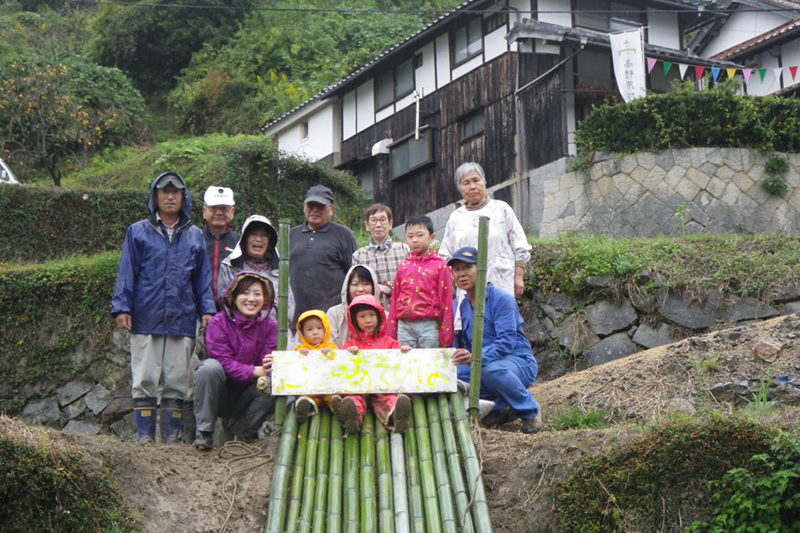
{"x":427,"y":479}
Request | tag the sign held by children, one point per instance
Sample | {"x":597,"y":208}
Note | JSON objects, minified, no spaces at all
{"x":365,"y":372}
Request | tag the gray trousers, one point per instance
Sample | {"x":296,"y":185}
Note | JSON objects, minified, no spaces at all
{"x":214,"y":398}
{"x":418,"y":333}
{"x":159,"y":360}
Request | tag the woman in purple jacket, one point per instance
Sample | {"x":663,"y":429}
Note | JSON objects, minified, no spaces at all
{"x":239,"y":341}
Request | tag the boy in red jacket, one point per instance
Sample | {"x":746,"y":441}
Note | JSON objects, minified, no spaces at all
{"x":368,"y":332}
{"x":421,"y":311}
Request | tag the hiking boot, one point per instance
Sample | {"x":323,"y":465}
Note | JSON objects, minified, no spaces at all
{"x":204,"y":440}
{"x":532,"y":425}
{"x":171,"y":421}
{"x":346,"y":413}
{"x":305,"y":407}
{"x":144,"y":415}
{"x":189,"y":423}
{"x":401,"y":413}
{"x":498,"y":419}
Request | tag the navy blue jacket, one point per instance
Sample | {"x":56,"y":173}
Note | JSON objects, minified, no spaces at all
{"x":164,"y":285}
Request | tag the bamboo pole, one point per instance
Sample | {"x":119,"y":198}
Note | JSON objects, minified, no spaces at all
{"x":280,"y":475}
{"x":297,"y":478}
{"x":432,"y":516}
{"x":415,"y":501}
{"x":454,"y":463}
{"x":477,"y":321}
{"x":399,"y":483}
{"x":386,"y":495}
{"x":352,"y":502}
{"x":369,"y":500}
{"x":334,"y":516}
{"x":472,"y":467}
{"x":310,"y":479}
{"x":283,"y":307}
{"x":323,"y":454}
{"x":444,"y":488}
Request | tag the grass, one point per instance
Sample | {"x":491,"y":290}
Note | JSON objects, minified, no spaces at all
{"x":704,"y":364}
{"x":577,"y":418}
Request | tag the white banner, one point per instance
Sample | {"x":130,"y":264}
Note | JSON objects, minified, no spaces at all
{"x":627,"y":52}
{"x":368,"y":372}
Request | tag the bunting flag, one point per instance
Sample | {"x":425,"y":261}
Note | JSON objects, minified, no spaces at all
{"x":793,"y":72}
{"x":731,"y":72}
{"x":650,"y":64}
{"x":777,"y":72}
{"x":715,"y":73}
{"x":761,"y":73}
{"x":682,"y":68}
{"x":746,"y":72}
{"x":667,"y":65}
{"x":698,"y":72}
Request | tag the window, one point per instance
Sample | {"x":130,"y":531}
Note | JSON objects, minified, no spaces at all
{"x":492,"y":22}
{"x":394,"y":84}
{"x":608,"y":16}
{"x":409,"y":154}
{"x":304,"y":130}
{"x":467,"y":41}
{"x":367,"y":180}
{"x":471,"y":125}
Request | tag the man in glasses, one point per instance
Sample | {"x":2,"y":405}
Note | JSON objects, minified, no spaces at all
{"x":218,"y":211}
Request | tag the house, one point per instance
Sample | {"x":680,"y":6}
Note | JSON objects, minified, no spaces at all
{"x":759,"y":34}
{"x":503,"y":83}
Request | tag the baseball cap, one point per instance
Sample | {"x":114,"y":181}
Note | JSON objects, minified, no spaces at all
{"x":218,"y":196}
{"x":467,"y":254}
{"x":169,"y":179}
{"x":320,"y":194}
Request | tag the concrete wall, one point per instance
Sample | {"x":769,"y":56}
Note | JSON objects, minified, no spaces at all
{"x":714,"y":190}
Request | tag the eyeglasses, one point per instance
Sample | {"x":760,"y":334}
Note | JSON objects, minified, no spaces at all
{"x":375,"y":221}
{"x":223,"y":208}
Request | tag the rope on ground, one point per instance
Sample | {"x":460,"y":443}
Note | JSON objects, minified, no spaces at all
{"x":233,"y":452}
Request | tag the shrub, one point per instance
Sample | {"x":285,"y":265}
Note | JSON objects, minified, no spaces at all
{"x":576,"y":418}
{"x":684,"y":118}
{"x":775,"y":168}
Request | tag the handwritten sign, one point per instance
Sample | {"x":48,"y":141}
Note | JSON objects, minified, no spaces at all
{"x":367,"y":372}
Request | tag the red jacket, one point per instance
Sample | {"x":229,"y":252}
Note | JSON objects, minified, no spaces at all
{"x":369,"y":340}
{"x":423,"y":290}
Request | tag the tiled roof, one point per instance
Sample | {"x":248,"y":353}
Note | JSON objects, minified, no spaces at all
{"x":781,"y":31}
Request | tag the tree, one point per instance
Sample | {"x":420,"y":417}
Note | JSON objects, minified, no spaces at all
{"x":44,"y":116}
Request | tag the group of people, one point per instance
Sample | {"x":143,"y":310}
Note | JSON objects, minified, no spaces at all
{"x":176,"y":282}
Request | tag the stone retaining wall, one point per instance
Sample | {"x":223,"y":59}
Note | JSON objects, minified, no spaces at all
{"x":694,"y":190}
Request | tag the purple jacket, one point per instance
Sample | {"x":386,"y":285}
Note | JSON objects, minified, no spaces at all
{"x":240,"y":343}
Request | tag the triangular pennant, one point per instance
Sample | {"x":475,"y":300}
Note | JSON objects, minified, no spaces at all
{"x":777,"y":72}
{"x":731,"y":72}
{"x":715,"y":73}
{"x":746,"y":73}
{"x":650,"y":64}
{"x":682,"y":69}
{"x":667,"y":65}
{"x":698,"y":72}
{"x":793,"y":72}
{"x":761,"y":73}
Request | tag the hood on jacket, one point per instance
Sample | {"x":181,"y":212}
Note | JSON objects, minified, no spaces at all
{"x":326,"y":340}
{"x":238,"y":254}
{"x":372,"y":301}
{"x":346,"y":283}
{"x":269,"y":297}
{"x":186,"y":206}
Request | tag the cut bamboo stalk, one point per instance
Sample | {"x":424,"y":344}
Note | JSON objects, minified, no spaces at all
{"x":383,"y":460}
{"x":369,"y":500}
{"x":416,"y":506}
{"x":477,"y":321}
{"x":310,"y":477}
{"x":334,"y":515}
{"x":323,"y":454}
{"x":352,"y":502}
{"x":454,"y":463}
{"x":283,"y":307}
{"x":399,"y":483}
{"x":297,"y":478}
{"x":444,"y":489}
{"x":433,"y":521}
{"x":480,"y":507}
{"x":280,"y":475}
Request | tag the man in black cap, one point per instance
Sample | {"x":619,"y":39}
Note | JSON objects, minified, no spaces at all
{"x":320,"y":254}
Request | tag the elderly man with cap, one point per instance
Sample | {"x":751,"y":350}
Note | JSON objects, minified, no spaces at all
{"x":163,"y":284}
{"x":508,"y":366}
{"x":218,"y":211}
{"x":320,"y":254}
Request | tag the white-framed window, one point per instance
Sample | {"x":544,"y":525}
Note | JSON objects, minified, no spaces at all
{"x":409,"y":154}
{"x":394,"y":84}
{"x":605,"y":15}
{"x":467,"y":41}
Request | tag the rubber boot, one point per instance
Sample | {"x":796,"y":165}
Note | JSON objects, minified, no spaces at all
{"x":144,"y":414}
{"x":171,"y":420}
{"x":189,"y":424}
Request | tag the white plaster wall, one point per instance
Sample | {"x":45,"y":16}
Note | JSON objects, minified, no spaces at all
{"x":425,"y":76}
{"x":790,"y":54}
{"x":322,"y":137}
{"x":349,"y":115}
{"x":290,"y":139}
{"x":524,"y":7}
{"x":472,"y":64}
{"x":663,"y":29}
{"x":495,"y":44}
{"x":365,"y":105}
{"x":386,"y":112}
{"x":741,"y":27}
{"x":562,"y":19}
{"x":569,"y":85}
{"x":442,"y":60}
{"x":771,"y":83}
{"x":404,"y":102}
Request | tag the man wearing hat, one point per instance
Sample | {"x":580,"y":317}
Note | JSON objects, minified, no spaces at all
{"x":163,"y":284}
{"x":320,"y":254}
{"x":508,"y":367}
{"x":218,"y":211}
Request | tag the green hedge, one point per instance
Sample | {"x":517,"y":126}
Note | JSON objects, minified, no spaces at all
{"x":685,"y":118}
